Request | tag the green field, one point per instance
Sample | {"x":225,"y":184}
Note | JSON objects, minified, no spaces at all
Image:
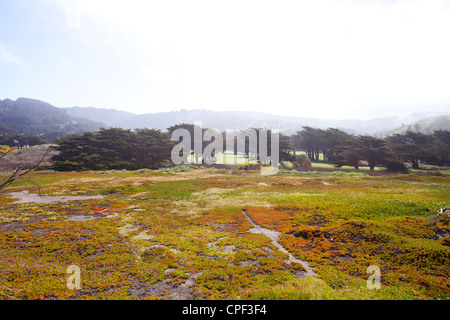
{"x":157,"y":235}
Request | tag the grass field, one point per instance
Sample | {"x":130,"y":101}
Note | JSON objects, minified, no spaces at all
{"x":183,"y":235}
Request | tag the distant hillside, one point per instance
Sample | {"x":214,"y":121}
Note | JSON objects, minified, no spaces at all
{"x":237,"y":119}
{"x":233,"y":119}
{"x":111,"y":117}
{"x":37,"y":117}
{"x":427,"y":125}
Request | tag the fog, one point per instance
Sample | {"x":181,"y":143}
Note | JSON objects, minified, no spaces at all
{"x":327,"y":59}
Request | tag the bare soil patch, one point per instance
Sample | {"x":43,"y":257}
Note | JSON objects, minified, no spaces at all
{"x":26,"y":197}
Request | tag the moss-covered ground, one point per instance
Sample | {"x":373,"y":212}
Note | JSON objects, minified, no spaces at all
{"x":182,"y":235}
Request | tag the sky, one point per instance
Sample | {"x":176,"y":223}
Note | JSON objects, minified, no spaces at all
{"x":327,"y":59}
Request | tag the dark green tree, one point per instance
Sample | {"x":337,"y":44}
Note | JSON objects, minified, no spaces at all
{"x":367,"y":148}
{"x":113,"y":148}
{"x":373,"y":150}
{"x":152,"y":147}
{"x":416,"y":148}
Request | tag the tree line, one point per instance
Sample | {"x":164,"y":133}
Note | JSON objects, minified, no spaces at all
{"x":116,"y":148}
{"x":341,"y":148}
{"x":233,"y":146}
{"x":23,"y":139}
{"x":113,"y":148}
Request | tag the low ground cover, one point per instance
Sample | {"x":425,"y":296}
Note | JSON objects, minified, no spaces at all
{"x":182,"y":235}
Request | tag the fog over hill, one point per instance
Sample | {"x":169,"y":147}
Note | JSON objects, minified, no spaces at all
{"x":243,"y":119}
{"x":37,"y":117}
{"x":427,"y":125}
{"x":110,"y":117}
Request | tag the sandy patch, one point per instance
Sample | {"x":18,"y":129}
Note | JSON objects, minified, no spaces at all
{"x":191,"y":207}
{"x":227,"y":249}
{"x":127,"y":229}
{"x":135,"y":180}
{"x":82,"y":218}
{"x":26,"y":197}
{"x":143,"y":236}
{"x":211,"y":191}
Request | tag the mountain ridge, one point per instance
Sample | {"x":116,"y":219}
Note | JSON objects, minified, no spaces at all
{"x":37,"y":117}
{"x":426,"y":125}
{"x":109,"y":116}
{"x":33,"y":116}
{"x":243,"y":119}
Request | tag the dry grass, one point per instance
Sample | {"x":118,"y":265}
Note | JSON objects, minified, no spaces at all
{"x":26,"y":158}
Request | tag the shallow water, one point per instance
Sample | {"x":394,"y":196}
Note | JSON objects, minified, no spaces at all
{"x":26,"y":197}
{"x":275,"y":236}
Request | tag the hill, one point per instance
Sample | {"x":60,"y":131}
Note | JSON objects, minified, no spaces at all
{"x":111,"y":117}
{"x":37,"y":117}
{"x":427,"y":125}
{"x":232,"y":119}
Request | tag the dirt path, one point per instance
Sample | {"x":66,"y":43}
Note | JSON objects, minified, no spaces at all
{"x":275,"y":236}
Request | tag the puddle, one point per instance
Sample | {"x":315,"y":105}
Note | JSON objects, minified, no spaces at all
{"x":82,"y":218}
{"x":247,"y":263}
{"x":440,"y":233}
{"x":275,"y":236}
{"x":26,"y":197}
{"x":180,"y":292}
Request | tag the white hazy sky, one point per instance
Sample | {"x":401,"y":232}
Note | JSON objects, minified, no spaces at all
{"x":327,"y":58}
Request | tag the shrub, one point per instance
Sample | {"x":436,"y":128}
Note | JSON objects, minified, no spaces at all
{"x":250,"y":166}
{"x":286,"y":164}
{"x":285,"y":171}
{"x":396,"y":166}
{"x":302,"y":161}
{"x":182,"y":168}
